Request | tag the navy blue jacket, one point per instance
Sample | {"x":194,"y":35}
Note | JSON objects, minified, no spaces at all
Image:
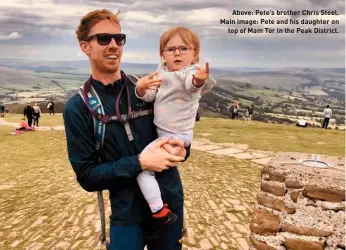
{"x":119,"y":165}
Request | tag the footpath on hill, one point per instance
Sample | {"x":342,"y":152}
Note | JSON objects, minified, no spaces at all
{"x":219,"y":196}
{"x":239,"y":151}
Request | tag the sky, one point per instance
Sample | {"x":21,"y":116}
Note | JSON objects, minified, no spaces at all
{"x":45,"y":30}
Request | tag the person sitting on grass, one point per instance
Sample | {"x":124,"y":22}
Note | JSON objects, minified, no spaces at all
{"x":24,"y":126}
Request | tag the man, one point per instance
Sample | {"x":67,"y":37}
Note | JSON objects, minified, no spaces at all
{"x":121,"y":160}
{"x":198,"y":117}
{"x":250,"y":111}
{"x":2,"y":111}
{"x":327,"y":115}
{"x":50,"y":106}
{"x":28,"y":113}
{"x":233,"y":110}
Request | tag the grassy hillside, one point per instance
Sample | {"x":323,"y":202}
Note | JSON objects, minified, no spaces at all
{"x":272,"y":137}
{"x":258,"y":135}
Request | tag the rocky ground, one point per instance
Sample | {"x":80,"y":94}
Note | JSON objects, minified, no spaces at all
{"x":43,"y":207}
{"x":219,"y":199}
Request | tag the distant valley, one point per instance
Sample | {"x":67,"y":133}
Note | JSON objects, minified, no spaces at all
{"x":280,"y":95}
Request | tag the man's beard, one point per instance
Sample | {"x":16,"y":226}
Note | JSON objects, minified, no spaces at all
{"x":102,"y":67}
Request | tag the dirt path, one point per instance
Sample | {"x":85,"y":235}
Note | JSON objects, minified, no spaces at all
{"x":47,"y":209}
{"x":239,"y":151}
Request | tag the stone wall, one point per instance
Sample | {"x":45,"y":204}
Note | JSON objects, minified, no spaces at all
{"x":300,"y":207}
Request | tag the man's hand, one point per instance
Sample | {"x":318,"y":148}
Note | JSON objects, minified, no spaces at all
{"x":175,"y":147}
{"x":157,"y":159}
{"x":147,"y":82}
{"x":201,"y":75}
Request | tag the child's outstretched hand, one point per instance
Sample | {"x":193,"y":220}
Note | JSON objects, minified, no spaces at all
{"x":147,"y":82}
{"x":201,"y":75}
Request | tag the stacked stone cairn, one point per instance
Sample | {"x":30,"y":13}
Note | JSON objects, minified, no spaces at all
{"x":301,"y":204}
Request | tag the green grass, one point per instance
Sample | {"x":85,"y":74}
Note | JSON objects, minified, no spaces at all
{"x":45,"y":120}
{"x":273,"y":137}
{"x":258,"y":135}
{"x":265,"y":94}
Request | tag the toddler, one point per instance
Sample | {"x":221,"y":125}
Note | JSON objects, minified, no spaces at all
{"x":176,"y":88}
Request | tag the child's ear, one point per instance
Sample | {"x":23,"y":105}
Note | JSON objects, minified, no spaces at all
{"x":195,"y":59}
{"x":163,"y":61}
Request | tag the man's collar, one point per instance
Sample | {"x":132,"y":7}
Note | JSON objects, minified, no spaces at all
{"x":99,"y":85}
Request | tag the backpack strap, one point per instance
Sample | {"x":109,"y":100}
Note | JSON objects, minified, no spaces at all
{"x":95,"y":104}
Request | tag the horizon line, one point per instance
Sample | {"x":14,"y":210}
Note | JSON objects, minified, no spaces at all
{"x":219,"y":67}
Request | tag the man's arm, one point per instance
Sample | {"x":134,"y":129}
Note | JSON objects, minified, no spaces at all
{"x":92,"y":175}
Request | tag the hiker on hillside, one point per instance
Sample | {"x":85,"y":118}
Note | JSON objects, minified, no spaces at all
{"x":116,"y":166}
{"x":234,"y":110}
{"x":198,"y":116}
{"x":327,"y":115}
{"x":50,"y":106}
{"x":28,"y":113}
{"x":2,"y":111}
{"x":250,"y":111}
{"x":36,"y":114}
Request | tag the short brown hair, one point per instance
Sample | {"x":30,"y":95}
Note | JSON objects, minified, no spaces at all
{"x":187,"y":35}
{"x":92,"y":18}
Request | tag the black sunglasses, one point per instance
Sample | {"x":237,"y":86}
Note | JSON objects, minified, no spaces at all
{"x":105,"y":38}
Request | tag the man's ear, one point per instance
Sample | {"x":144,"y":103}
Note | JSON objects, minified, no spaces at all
{"x":85,"y":47}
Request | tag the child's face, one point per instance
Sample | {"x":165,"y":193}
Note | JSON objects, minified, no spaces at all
{"x":178,"y":54}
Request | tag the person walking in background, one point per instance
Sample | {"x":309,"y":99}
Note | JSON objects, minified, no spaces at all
{"x":2,"y":111}
{"x":198,"y":117}
{"x":250,"y":111}
{"x":235,"y":110}
{"x":327,"y":115}
{"x":50,"y":106}
{"x":28,"y":113}
{"x":36,"y":114}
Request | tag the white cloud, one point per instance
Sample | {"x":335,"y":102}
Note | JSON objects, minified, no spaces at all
{"x":57,"y":31}
{"x":13,"y":35}
{"x":145,"y":21}
{"x":207,"y":16}
{"x":144,"y":16}
{"x":142,"y":57}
